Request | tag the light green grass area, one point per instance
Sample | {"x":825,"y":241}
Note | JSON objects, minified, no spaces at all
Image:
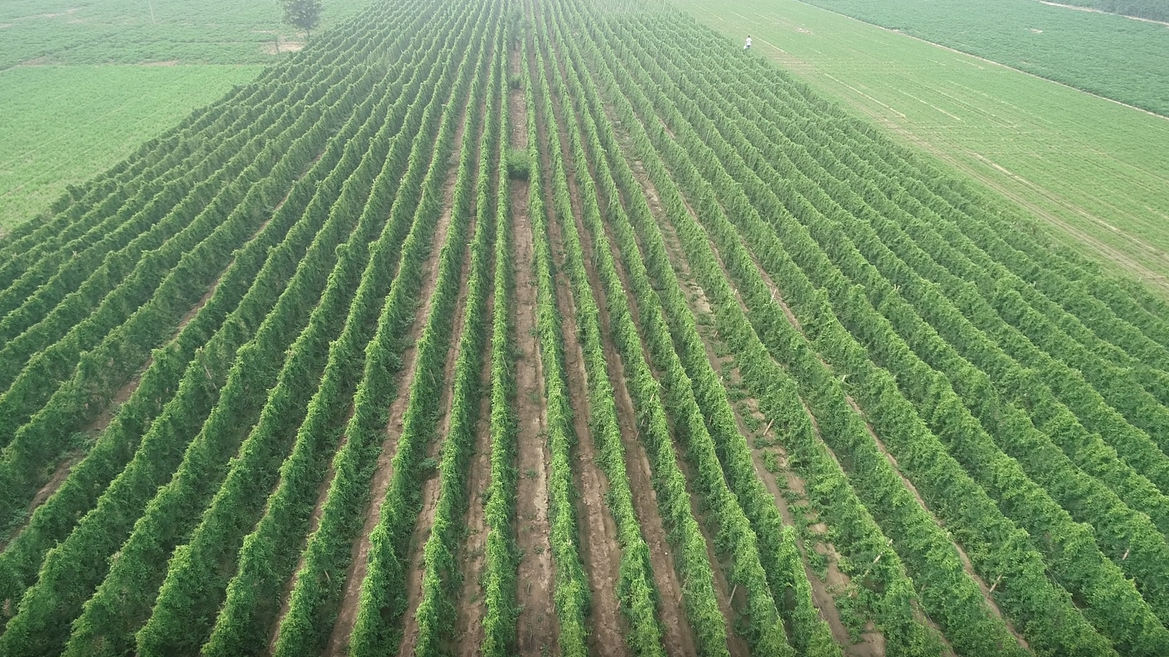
{"x":60,"y":125}
{"x":137,"y":31}
{"x":1106,"y":54}
{"x":64,"y":119}
{"x":1095,"y":170}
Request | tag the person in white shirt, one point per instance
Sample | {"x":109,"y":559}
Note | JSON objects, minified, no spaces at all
{"x":748,"y":44}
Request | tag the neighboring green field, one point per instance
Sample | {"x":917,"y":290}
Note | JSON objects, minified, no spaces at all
{"x":64,"y":119}
{"x":51,"y":140}
{"x":137,"y":31}
{"x":1155,"y":10}
{"x":1105,"y":54}
{"x":1096,"y":170}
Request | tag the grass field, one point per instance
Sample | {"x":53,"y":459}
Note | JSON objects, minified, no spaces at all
{"x":83,"y":83}
{"x":1095,"y":170}
{"x":1113,"y":56}
{"x":62,"y":124}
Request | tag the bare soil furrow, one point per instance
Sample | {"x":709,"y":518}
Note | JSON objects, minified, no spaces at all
{"x":468,"y":622}
{"x":383,"y":470}
{"x":430,"y":488}
{"x":537,"y":631}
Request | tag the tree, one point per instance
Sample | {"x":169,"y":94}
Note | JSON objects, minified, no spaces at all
{"x":304,"y":14}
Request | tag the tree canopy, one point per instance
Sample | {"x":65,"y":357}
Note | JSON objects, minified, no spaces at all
{"x":304,"y":14}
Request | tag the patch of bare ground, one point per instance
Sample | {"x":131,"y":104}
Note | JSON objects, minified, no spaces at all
{"x":678,"y":638}
{"x":430,"y":487}
{"x":537,"y":630}
{"x":470,"y":606}
{"x":169,"y":62}
{"x":277,"y":47}
{"x":359,"y":564}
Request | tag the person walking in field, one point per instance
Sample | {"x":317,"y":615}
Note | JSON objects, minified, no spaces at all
{"x":747,"y":46}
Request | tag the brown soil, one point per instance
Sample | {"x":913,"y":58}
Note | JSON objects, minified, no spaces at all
{"x":338,"y":641}
{"x":468,"y":622}
{"x":537,"y":628}
{"x":678,"y":638}
{"x":282,"y":46}
{"x":430,"y":488}
{"x":59,"y":476}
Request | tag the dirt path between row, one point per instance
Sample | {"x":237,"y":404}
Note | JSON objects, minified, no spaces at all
{"x":471,"y":603}
{"x":343,"y":627}
{"x":872,"y":643}
{"x":735,"y":642}
{"x":430,"y":488}
{"x":824,"y":590}
{"x":537,"y":630}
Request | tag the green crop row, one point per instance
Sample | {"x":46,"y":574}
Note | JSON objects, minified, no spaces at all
{"x":193,"y":585}
{"x":28,"y":295}
{"x":31,"y":241}
{"x":961,"y":611}
{"x":810,"y":634}
{"x":122,"y":603}
{"x":315,"y":596}
{"x":692,"y":563}
{"x":383,"y":591}
{"x":53,"y":521}
{"x":100,"y":372}
{"x":894,"y":600}
{"x":500,"y":559}
{"x":635,"y":585}
{"x":441,"y":577}
{"x":1086,"y":496}
{"x":71,"y":568}
{"x":268,"y":555}
{"x":61,"y":290}
{"x":893,"y":423}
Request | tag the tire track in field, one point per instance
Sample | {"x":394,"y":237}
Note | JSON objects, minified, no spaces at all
{"x":537,"y":627}
{"x":359,"y":565}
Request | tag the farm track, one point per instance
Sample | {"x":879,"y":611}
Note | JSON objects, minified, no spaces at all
{"x":727,"y":407}
{"x":537,"y":625}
